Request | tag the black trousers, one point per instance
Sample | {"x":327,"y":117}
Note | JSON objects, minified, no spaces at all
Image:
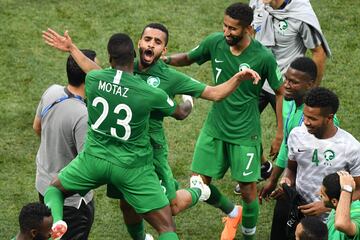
{"x":79,"y":221}
{"x":265,"y":98}
{"x":280,"y":218}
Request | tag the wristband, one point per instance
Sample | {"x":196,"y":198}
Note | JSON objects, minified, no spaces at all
{"x":187,"y":98}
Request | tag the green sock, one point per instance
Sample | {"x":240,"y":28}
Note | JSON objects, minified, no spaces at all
{"x":54,"y":199}
{"x":136,"y":231}
{"x":168,"y":236}
{"x":195,"y":195}
{"x":250,"y":215}
{"x":219,"y":201}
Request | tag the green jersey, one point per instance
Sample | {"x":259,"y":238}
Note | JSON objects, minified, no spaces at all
{"x":119,"y":106}
{"x":293,"y":116}
{"x":355,"y":218}
{"x":173,"y":82}
{"x":236,"y":119}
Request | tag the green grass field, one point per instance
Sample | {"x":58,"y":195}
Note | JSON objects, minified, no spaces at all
{"x":28,"y":67}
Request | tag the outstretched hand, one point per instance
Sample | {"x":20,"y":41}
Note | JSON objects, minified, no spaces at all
{"x":248,"y":74}
{"x":55,"y":40}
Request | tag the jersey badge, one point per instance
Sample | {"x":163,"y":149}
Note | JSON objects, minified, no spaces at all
{"x":329,"y":155}
{"x":153,"y":81}
{"x":283,"y":25}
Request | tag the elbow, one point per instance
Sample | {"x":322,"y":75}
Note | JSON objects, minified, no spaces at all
{"x":341,"y":226}
{"x":182,"y":115}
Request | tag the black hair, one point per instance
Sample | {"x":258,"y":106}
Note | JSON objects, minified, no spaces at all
{"x":241,"y":12}
{"x":306,"y":65}
{"x":160,"y":27}
{"x":32,"y":215}
{"x":75,"y":75}
{"x":324,"y":99}
{"x":121,"y":49}
{"x":313,"y":229}
{"x":332,"y":187}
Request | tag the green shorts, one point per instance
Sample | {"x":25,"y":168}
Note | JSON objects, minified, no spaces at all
{"x":162,"y":169}
{"x":140,"y":186}
{"x":213,"y":157}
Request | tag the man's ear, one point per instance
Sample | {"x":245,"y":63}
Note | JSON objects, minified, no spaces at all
{"x":33,"y":232}
{"x":164,"y":51}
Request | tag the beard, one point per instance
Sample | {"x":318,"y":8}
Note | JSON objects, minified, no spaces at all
{"x":144,"y":52}
{"x":233,"y":40}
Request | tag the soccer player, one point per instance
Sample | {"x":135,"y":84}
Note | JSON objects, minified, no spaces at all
{"x":336,"y":193}
{"x":318,"y":148}
{"x":140,"y":204}
{"x":300,"y":77}
{"x":231,"y":136}
{"x":289,"y":28}
{"x":311,"y":228}
{"x":35,"y":222}
{"x":152,"y":45}
{"x":61,"y":122}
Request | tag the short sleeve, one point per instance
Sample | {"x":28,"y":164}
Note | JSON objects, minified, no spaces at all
{"x":290,"y":146}
{"x":354,"y":155}
{"x":310,"y":36}
{"x":187,"y":85}
{"x":39,"y":109}
{"x":201,"y":53}
{"x":281,"y":160}
{"x":80,"y":130}
{"x":273,"y":73}
{"x":163,"y":103}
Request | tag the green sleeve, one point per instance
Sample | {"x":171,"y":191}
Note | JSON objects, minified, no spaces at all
{"x":187,"y":85}
{"x":281,"y":160}
{"x":201,"y":53}
{"x":163,"y":103}
{"x":273,"y":74}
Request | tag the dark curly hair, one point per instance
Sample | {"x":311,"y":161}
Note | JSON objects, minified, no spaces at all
{"x":242,"y":12}
{"x":324,"y":99}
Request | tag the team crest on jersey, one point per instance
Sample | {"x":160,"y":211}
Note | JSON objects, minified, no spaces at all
{"x":153,"y":81}
{"x":283,"y":25}
{"x":329,"y":155}
{"x":244,"y":66}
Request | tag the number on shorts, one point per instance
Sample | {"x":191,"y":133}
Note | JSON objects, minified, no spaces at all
{"x":251,"y":156}
{"x":121,"y":122}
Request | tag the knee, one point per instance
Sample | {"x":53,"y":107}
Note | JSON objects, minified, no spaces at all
{"x":248,"y":192}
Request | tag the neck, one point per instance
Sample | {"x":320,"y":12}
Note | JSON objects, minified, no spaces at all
{"x":21,"y":236}
{"x":299,"y":102}
{"x":127,"y":68}
{"x":241,"y":46}
{"x":276,"y":4}
{"x":80,"y":90}
{"x":329,"y":132}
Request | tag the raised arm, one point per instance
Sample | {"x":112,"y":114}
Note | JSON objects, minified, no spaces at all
{"x":178,"y":59}
{"x":219,"y":92}
{"x":65,"y":44}
{"x":343,"y":221}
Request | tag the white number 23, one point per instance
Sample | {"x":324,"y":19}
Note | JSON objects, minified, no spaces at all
{"x":122,"y":122}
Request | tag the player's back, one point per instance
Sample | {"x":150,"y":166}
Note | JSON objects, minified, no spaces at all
{"x":119,"y":106}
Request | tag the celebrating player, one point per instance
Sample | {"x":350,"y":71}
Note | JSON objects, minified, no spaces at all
{"x":231,"y":136}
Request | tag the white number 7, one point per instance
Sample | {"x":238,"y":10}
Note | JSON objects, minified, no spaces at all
{"x":251,"y":156}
